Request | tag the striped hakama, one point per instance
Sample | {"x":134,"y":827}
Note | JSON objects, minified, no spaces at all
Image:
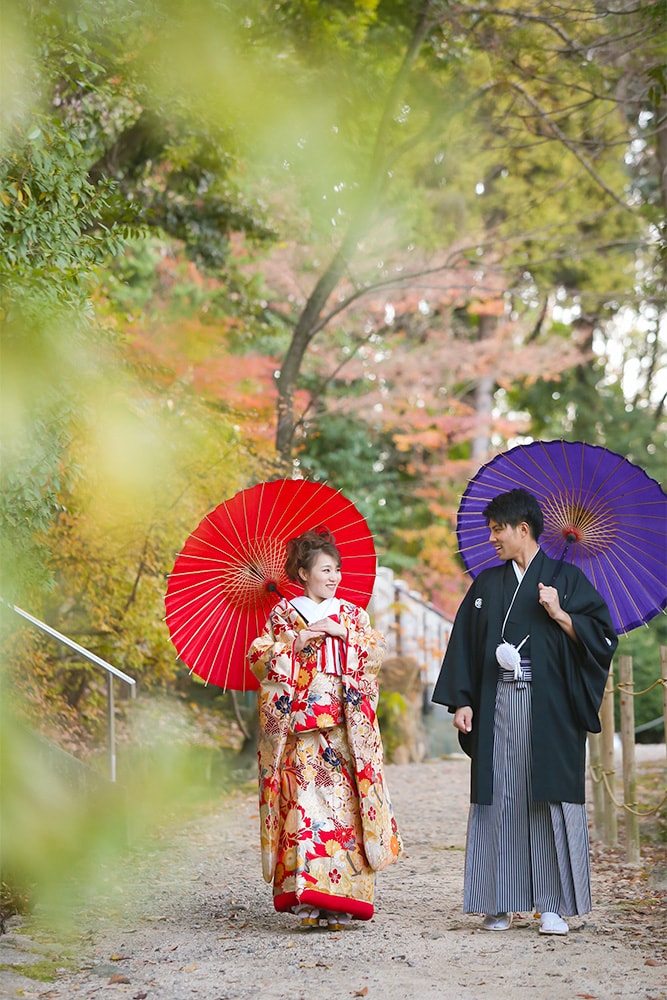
{"x":523,"y":855}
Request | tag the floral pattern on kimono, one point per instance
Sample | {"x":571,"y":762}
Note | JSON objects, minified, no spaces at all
{"x":326,"y":819}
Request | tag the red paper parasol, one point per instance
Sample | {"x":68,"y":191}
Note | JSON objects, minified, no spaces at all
{"x":601,"y":511}
{"x":232,"y":569}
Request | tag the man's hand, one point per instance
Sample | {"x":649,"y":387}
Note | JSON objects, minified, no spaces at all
{"x":463,"y":719}
{"x":548,"y":598}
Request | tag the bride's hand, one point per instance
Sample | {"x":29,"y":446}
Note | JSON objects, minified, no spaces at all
{"x":327,"y":626}
{"x":306,"y":636}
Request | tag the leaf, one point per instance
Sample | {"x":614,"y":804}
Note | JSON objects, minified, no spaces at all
{"x":118,"y":977}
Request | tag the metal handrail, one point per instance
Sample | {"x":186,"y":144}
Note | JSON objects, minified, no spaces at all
{"x":653,"y":724}
{"x":111,"y":672}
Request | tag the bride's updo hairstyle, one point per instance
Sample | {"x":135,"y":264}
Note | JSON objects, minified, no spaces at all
{"x":304,"y":550}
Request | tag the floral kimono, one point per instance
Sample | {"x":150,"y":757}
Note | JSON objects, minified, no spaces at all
{"x":326,"y":821}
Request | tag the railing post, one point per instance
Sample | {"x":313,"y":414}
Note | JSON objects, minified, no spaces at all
{"x":595,"y":760}
{"x":627,"y":709}
{"x":111,"y":727}
{"x":111,"y":672}
{"x":609,"y":763}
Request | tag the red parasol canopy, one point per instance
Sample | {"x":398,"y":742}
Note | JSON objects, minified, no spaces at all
{"x":232,"y":568}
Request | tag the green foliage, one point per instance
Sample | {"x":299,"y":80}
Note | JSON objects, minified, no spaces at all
{"x":643,"y":645}
{"x":366,"y":466}
{"x":177,"y":168}
{"x":44,"y":971}
{"x":54,"y":233}
{"x":68,"y":834}
{"x":391,"y":709}
{"x":584,"y":405}
{"x":55,"y":226}
{"x":95,"y":454}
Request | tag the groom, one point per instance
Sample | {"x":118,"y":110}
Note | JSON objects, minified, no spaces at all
{"x":522,"y":713}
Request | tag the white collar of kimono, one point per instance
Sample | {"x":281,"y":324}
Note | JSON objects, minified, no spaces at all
{"x":312,"y":611}
{"x":520,"y":573}
{"x":330,"y":655}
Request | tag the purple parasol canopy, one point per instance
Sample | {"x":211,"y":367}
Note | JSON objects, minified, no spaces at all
{"x":605,"y":513}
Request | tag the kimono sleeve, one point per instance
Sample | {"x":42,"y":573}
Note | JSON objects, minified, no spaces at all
{"x":365,"y":645}
{"x":270,"y":654}
{"x":272,"y":661}
{"x":365,"y":651}
{"x":588,"y":660}
{"x":456,"y":685}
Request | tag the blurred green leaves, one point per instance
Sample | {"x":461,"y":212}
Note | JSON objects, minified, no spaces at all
{"x":68,"y":835}
{"x":53,"y":234}
{"x":55,"y":226}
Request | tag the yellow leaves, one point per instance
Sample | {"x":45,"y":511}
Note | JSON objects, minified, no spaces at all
{"x":22,"y":195}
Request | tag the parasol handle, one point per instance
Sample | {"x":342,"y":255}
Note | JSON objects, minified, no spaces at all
{"x":272,"y":589}
{"x":570,"y":537}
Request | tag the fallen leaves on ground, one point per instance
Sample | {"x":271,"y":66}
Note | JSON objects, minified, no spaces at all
{"x":625,"y":904}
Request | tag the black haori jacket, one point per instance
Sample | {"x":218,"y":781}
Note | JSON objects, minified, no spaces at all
{"x":568,"y":677}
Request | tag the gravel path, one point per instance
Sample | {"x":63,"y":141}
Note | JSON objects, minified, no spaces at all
{"x":195,"y":921}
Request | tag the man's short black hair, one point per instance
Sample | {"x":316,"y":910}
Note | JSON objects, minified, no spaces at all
{"x":513,"y":508}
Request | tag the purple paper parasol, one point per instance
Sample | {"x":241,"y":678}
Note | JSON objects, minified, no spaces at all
{"x":614,"y":514}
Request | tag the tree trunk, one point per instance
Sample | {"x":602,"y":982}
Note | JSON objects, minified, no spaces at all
{"x":311,"y":320}
{"x":483,"y":397}
{"x":306,"y":328}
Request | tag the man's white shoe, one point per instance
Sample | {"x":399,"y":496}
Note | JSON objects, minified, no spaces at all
{"x":553,"y":924}
{"x":497,"y":922}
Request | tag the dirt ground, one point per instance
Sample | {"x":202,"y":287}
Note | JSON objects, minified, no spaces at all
{"x":195,"y":922}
